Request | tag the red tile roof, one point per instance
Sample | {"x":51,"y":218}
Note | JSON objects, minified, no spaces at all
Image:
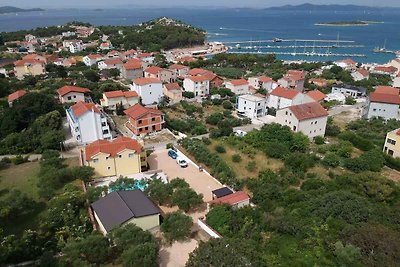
{"x":231,"y":199}
{"x":133,"y":64}
{"x":119,"y":93}
{"x":94,"y":56}
{"x":387,"y":90}
{"x":308,"y":111}
{"x":153,"y":70}
{"x":285,"y":92}
{"x":81,"y":108}
{"x":389,"y":69}
{"x":113,"y":61}
{"x":347,"y":61}
{"x":384,"y":98}
{"x":197,"y":71}
{"x":131,"y":51}
{"x":198,"y":78}
{"x":363,"y":72}
{"x":239,"y":82}
{"x":177,"y":67}
{"x":172,"y":86}
{"x":144,"y":55}
{"x":144,"y":81}
{"x":69,"y":88}
{"x":138,"y":111}
{"x":24,"y":62}
{"x":16,"y":95}
{"x":317,"y":95}
{"x":264,"y":79}
{"x":299,"y":73}
{"x":112,"y":147}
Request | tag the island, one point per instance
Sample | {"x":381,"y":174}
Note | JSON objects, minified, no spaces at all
{"x":11,"y":9}
{"x":348,"y":23}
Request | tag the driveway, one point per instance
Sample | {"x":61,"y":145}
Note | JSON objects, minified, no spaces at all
{"x":199,"y":181}
{"x":177,"y":254}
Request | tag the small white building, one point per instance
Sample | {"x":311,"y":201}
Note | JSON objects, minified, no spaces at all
{"x":238,"y":87}
{"x":199,"y":85}
{"x":91,"y":59}
{"x":114,"y":63}
{"x":283,"y":97}
{"x":383,"y":102}
{"x":76,"y":47}
{"x":261,"y":82}
{"x":349,"y":90}
{"x":347,"y":64}
{"x":112,"y":98}
{"x":251,"y":106}
{"x":309,"y":119}
{"x":87,"y":123}
{"x":150,"y":90}
{"x":72,"y":94}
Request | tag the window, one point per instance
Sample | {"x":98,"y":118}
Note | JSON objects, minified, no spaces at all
{"x":103,"y":124}
{"x":108,"y":168}
{"x":95,"y":160}
{"x":74,"y":96}
{"x":315,"y":122}
{"x":146,"y":128}
{"x":391,"y":141}
{"x":139,"y":121}
{"x":105,"y":131}
{"x":374,"y":109}
{"x":391,"y":152}
{"x":245,"y":102}
{"x":107,"y":158}
{"x":258,"y":104}
{"x":120,"y":156}
{"x":69,"y":98}
{"x":131,"y":155}
{"x":140,"y":129}
{"x":312,"y":123}
{"x":294,"y":128}
{"x":153,"y":119}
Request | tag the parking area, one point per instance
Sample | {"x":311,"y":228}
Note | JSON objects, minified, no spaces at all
{"x":199,"y":181}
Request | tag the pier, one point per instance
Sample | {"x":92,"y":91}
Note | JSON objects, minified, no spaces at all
{"x":297,"y":46}
{"x":290,"y":40}
{"x":308,"y":54}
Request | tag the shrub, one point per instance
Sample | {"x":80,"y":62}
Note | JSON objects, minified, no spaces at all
{"x":236,"y":158}
{"x":220,"y":149}
{"x":176,"y":226}
{"x":227,"y":105}
{"x":188,"y":94}
{"x":206,"y":141}
{"x":251,"y":166}
{"x":319,"y":140}
{"x":331,"y":160}
{"x":357,"y":141}
{"x":170,"y":145}
{"x":19,"y":160}
{"x":350,"y":101}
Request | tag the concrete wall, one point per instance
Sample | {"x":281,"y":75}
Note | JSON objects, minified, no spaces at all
{"x":386,"y":111}
{"x":150,"y":93}
{"x":208,"y":229}
{"x":73,"y":97}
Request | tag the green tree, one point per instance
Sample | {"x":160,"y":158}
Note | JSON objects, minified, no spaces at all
{"x":91,"y":75}
{"x":186,"y":199}
{"x":347,"y":255}
{"x":176,"y":226}
{"x":141,"y":255}
{"x":159,"y":191}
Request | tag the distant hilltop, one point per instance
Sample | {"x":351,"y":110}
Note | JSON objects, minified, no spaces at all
{"x":12,"y":9}
{"x":312,"y":7}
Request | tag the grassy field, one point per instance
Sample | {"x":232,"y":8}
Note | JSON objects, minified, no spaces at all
{"x":263,"y":162}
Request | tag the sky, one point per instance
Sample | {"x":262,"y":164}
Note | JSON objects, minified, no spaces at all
{"x":184,"y":3}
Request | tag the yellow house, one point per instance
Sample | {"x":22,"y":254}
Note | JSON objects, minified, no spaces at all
{"x":29,"y":67}
{"x":125,"y":207}
{"x":392,"y":143}
{"x":121,"y":156}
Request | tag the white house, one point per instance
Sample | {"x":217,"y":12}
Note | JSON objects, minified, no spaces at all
{"x":283,"y":97}
{"x":150,"y":90}
{"x":251,"y":106}
{"x":349,"y":90}
{"x":261,"y":82}
{"x":87,"y":123}
{"x":91,"y":59}
{"x":238,"y":87}
{"x":199,"y":85}
{"x":383,"y":102}
{"x":112,"y":98}
{"x":114,"y":63}
{"x":309,"y":119}
{"x":347,"y":64}
{"x":72,"y":94}
{"x":75,"y":47}
{"x":164,"y":75}
{"x":360,"y":74}
{"x":293,"y":79}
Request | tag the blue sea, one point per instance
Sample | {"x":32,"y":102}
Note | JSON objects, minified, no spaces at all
{"x":236,"y":25}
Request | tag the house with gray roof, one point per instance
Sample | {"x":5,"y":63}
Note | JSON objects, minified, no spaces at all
{"x":123,"y":207}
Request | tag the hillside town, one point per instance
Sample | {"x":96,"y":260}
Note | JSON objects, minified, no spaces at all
{"x":142,"y":157}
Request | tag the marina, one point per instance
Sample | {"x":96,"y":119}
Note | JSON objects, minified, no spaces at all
{"x":290,"y":40}
{"x":308,"y":54}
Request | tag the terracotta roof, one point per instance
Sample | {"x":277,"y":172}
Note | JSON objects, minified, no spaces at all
{"x":187,"y":59}
{"x":119,"y":93}
{"x":143,"y":81}
{"x":81,"y":108}
{"x":296,"y":73}
{"x":384,"y":98}
{"x":133,"y":64}
{"x":387,"y":90}
{"x":16,"y":95}
{"x":32,"y":56}
{"x":153,"y":70}
{"x":94,"y":56}
{"x":239,"y":82}
{"x":285,"y":92}
{"x":389,"y":69}
{"x":23,"y":62}
{"x":264,"y":79}
{"x":308,"y":111}
{"x":198,"y":78}
{"x":172,"y":86}
{"x":131,"y":51}
{"x":177,"y":67}
{"x":69,"y":88}
{"x":113,"y":61}
{"x":111,"y":147}
{"x":137,"y":111}
{"x":104,"y":44}
{"x":317,"y":81}
{"x":363,"y":72}
{"x":317,"y":95}
{"x":347,"y":61}
{"x":197,"y":71}
{"x":144,"y":55}
{"x":231,"y":199}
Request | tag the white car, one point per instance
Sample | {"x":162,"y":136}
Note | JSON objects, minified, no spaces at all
{"x":181,"y":162}
{"x":240,"y":133}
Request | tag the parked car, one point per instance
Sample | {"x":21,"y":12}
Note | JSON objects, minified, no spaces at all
{"x":172,"y":154}
{"x":182,"y":162}
{"x":240,"y":133}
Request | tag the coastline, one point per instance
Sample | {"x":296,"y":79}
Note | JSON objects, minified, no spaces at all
{"x":341,"y":25}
